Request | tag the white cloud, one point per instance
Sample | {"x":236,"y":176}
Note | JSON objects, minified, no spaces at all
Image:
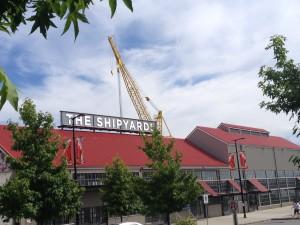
{"x":168,"y":47}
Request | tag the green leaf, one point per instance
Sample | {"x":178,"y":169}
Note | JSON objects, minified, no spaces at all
{"x":67,"y":25}
{"x":113,"y":6}
{"x":128,"y":3}
{"x":82,"y":17}
{"x":34,"y":26}
{"x":8,"y":91}
{"x":76,"y":28}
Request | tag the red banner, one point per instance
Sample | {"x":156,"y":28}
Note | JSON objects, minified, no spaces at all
{"x":79,"y":151}
{"x":68,"y":152}
{"x":243,"y":160}
{"x":231,"y":161}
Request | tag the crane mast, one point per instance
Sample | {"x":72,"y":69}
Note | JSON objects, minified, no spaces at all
{"x":130,"y":84}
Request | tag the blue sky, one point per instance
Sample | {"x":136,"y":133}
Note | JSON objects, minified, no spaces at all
{"x":197,"y":60}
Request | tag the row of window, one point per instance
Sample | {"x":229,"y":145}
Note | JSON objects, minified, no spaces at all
{"x":96,"y":179}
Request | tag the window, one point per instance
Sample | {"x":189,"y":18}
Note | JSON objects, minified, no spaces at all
{"x":233,"y":130}
{"x":280,"y":173}
{"x":260,"y":173}
{"x":264,"y":199}
{"x":270,"y":173}
{"x":272,"y":184}
{"x":289,"y":173}
{"x":275,"y":197}
{"x":292,"y":195}
{"x":284,"y":195}
{"x":197,"y":173}
{"x":291,"y":182}
{"x":245,"y":132}
{"x":209,"y":175}
{"x":282,"y":182}
{"x":92,"y":215}
{"x":90,"y":179}
{"x":224,"y":187}
{"x":297,"y":173}
{"x":249,"y":174}
{"x":224,"y":174}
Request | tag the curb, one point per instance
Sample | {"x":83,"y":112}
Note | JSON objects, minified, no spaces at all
{"x":259,"y":221}
{"x":287,"y":218}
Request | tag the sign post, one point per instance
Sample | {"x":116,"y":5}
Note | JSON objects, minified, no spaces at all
{"x":205,"y":201}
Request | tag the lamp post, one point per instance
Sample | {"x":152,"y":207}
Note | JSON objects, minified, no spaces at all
{"x":74,"y":155}
{"x":240,"y":179}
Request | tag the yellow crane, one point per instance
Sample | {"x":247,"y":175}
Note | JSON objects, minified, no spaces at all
{"x":134,"y":92}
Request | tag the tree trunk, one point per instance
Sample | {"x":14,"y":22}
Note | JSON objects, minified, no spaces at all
{"x":121,"y":218}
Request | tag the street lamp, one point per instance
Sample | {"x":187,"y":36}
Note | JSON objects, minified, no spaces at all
{"x":240,"y":179}
{"x":74,"y":155}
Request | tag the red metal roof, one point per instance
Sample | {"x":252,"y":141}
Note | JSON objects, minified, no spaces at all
{"x":258,"y":185}
{"x":207,"y":188}
{"x":99,"y":149}
{"x":266,"y":141}
{"x":243,"y":127}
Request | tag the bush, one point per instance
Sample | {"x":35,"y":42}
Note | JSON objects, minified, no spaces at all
{"x":186,"y":221}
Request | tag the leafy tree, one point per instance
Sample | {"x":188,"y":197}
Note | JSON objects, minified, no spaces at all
{"x":281,"y":83}
{"x":167,"y":189}
{"x":38,"y":189}
{"x":42,"y":14}
{"x":118,"y":190}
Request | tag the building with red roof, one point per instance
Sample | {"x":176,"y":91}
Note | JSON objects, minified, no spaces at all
{"x":268,"y":178}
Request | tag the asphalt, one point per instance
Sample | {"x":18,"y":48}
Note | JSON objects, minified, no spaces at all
{"x":280,"y":213}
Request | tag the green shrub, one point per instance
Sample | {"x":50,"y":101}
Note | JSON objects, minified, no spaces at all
{"x":186,"y":221}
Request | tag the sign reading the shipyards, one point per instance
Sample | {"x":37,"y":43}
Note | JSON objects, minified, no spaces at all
{"x":100,"y":122}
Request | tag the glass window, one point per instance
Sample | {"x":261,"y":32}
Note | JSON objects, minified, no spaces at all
{"x":289,"y":173}
{"x":197,"y":173}
{"x":282,"y":182}
{"x":275,"y":197}
{"x":224,"y":174}
{"x":260,"y":173}
{"x":292,"y":195}
{"x":209,"y":175}
{"x":291,"y":182}
{"x":264,"y":199}
{"x":270,"y":173}
{"x":280,"y":173}
{"x":233,"y":130}
{"x":249,"y":174}
{"x":224,"y":187}
{"x":297,"y":173}
{"x":284,"y":195}
{"x":90,"y":179}
{"x":272,"y":184}
{"x":245,"y":132}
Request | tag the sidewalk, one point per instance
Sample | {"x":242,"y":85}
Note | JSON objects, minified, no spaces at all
{"x":252,"y":217}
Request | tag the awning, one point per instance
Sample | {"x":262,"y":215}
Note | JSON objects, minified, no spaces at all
{"x":258,"y":185}
{"x":207,"y":188}
{"x":235,"y":185}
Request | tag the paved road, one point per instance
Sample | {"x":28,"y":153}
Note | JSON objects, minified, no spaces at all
{"x":279,"y":222}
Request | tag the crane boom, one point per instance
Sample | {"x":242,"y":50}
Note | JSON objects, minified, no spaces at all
{"x":134,"y":92}
{"x":130,"y":84}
